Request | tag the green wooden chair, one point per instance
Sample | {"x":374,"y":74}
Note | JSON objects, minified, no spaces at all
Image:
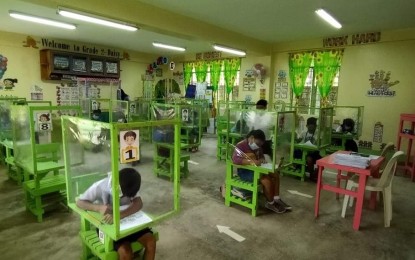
{"x":233,"y":181}
{"x":41,"y":189}
{"x":163,"y":161}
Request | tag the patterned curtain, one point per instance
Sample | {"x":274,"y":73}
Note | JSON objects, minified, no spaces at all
{"x":215,"y":67}
{"x":232,"y":67}
{"x":299,"y":64}
{"x":326,"y":65}
{"x":201,"y":68}
{"x":187,"y":72}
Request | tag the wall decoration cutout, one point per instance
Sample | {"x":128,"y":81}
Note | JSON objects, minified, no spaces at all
{"x":30,"y":42}
{"x":36,"y":93}
{"x":282,"y":76}
{"x":8,"y":84}
{"x":380,"y":83}
{"x":378,"y":133}
{"x":249,"y":73}
{"x":129,"y":145}
{"x":153,"y":66}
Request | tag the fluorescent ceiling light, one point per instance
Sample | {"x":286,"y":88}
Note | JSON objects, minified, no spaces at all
{"x":36,"y":19}
{"x":229,"y":50}
{"x":170,"y":47}
{"x":328,"y":18}
{"x":96,"y":19}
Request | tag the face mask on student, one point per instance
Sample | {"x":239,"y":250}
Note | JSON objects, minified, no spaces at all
{"x":253,"y":146}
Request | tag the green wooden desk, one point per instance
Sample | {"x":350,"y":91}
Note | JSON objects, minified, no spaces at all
{"x":163,"y":163}
{"x":292,"y":169}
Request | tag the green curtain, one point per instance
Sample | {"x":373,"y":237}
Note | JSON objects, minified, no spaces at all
{"x":231,"y":70}
{"x":187,"y":72}
{"x":299,"y":65}
{"x":215,"y":67}
{"x":326,"y":65}
{"x":201,"y":68}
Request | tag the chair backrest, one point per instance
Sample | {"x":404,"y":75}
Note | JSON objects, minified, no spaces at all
{"x":389,"y":171}
{"x":385,"y":151}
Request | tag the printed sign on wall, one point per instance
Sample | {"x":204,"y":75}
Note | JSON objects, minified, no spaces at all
{"x":44,"y":121}
{"x":378,"y":133}
{"x":129,"y":145}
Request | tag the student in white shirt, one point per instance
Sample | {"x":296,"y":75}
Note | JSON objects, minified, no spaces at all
{"x":98,"y":198}
{"x":310,"y":136}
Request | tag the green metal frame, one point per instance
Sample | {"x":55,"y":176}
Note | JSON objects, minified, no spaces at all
{"x":342,"y":112}
{"x":38,"y":160}
{"x":324,"y":127}
{"x":282,"y":135}
{"x":222,"y":125}
{"x":112,"y":231}
{"x":141,"y":113}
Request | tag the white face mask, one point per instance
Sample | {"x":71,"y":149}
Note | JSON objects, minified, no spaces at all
{"x":253,"y":146}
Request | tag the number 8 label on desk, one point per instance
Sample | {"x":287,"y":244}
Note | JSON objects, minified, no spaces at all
{"x":129,"y":145}
{"x":44,"y":122}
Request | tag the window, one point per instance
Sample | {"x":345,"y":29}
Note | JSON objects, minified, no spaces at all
{"x":221,"y":89}
{"x":311,"y":94}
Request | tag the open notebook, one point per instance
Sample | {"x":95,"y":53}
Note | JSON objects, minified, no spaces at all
{"x":137,"y":219}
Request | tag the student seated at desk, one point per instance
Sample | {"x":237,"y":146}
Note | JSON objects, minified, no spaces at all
{"x":98,"y":198}
{"x":309,"y":137}
{"x":249,"y":152}
{"x":351,"y":145}
{"x":347,"y":127}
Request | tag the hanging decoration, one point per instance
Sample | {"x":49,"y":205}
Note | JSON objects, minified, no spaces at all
{"x":153,"y":66}
{"x":259,"y":72}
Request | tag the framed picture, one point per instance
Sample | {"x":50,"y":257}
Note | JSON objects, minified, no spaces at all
{"x":97,"y":66}
{"x":61,"y":62}
{"x":111,"y":67}
{"x":79,"y":64}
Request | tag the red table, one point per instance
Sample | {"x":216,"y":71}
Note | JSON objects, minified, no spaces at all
{"x":327,"y":162}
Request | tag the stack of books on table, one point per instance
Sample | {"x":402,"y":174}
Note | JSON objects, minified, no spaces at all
{"x":352,"y":160}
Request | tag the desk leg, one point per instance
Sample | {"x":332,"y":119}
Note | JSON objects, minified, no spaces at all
{"x":359,"y":203}
{"x":318,"y":190}
{"x":338,"y":179}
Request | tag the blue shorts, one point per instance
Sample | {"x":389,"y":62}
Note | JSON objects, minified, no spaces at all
{"x":245,"y":175}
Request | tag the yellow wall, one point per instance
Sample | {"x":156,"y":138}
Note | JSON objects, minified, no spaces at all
{"x":395,"y":53}
{"x":24,"y":64}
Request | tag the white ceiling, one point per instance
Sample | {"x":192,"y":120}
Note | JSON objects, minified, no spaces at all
{"x":269,"y":21}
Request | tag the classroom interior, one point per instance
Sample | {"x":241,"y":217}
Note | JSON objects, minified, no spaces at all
{"x":64,"y":128}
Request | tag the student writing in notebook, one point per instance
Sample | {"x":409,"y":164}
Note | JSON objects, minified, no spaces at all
{"x":98,"y":198}
{"x":249,"y":152}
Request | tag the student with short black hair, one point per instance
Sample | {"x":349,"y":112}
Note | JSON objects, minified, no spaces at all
{"x":98,"y":198}
{"x":248,"y":152}
{"x":310,"y":136}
